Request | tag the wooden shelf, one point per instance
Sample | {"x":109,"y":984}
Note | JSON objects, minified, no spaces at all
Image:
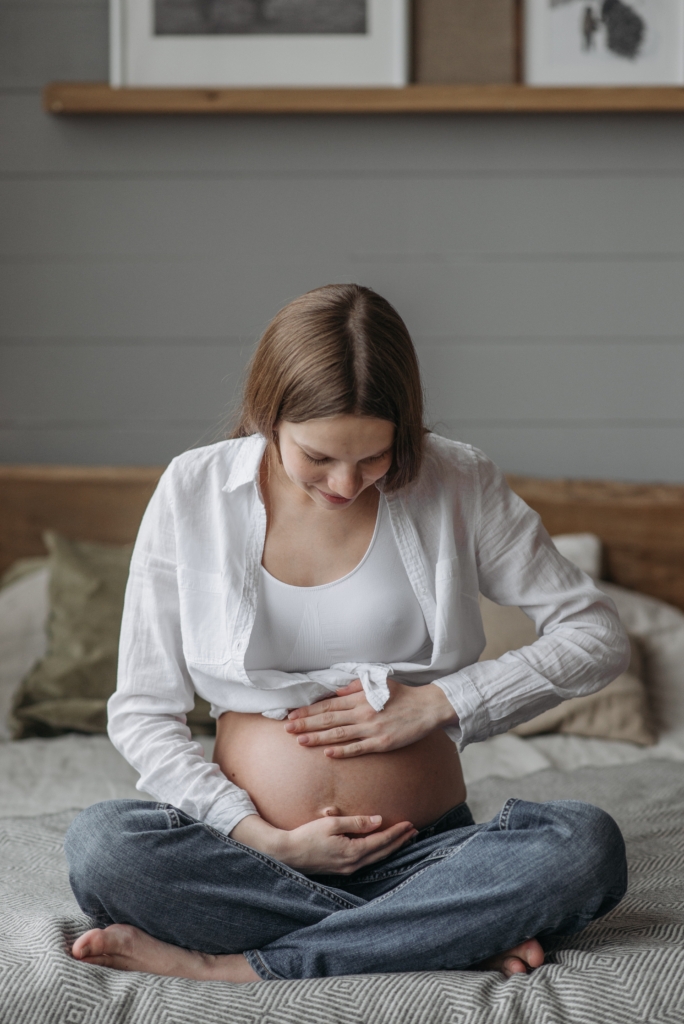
{"x":99,"y":98}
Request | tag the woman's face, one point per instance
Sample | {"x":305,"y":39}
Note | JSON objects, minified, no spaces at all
{"x":335,"y":459}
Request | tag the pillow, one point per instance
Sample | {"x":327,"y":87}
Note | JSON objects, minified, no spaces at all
{"x":23,"y":640}
{"x":69,"y":687}
{"x":582,"y":549}
{"x":657,"y":626}
{"x":659,"y":629}
{"x":617,"y":712}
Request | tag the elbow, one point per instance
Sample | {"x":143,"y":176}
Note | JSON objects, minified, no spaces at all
{"x":614,"y":652}
{"x":114,"y":721}
{"x":621,"y":652}
{"x":610,"y":657}
{"x":615,"y":656}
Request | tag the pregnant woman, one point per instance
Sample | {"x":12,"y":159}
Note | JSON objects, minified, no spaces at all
{"x":316,"y":579}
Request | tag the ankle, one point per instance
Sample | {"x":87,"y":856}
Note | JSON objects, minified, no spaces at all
{"x":226,"y":967}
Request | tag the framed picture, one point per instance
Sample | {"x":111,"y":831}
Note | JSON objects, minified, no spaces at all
{"x":255,"y":43}
{"x":604,"y":42}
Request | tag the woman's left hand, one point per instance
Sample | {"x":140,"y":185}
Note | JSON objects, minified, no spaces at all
{"x":350,"y":723}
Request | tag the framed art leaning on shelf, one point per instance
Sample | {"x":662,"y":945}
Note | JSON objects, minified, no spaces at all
{"x":604,"y":42}
{"x":215,"y":43}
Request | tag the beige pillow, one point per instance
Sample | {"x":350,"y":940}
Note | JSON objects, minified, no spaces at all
{"x":68,"y":689}
{"x":617,"y":712}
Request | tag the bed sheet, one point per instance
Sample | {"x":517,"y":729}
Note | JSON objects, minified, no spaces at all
{"x":625,"y":969}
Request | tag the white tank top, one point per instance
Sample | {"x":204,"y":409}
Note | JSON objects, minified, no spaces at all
{"x":371,"y":614}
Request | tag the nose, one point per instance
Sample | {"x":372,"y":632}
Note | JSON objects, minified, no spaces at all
{"x":345,"y":481}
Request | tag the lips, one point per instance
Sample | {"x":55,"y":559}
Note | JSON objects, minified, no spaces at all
{"x":334,"y":499}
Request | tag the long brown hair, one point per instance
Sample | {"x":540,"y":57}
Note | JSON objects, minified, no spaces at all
{"x":337,"y":350}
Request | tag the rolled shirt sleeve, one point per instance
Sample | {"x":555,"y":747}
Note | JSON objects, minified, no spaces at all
{"x":582,"y":644}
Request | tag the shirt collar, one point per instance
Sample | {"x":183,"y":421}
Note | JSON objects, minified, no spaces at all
{"x":245,"y":467}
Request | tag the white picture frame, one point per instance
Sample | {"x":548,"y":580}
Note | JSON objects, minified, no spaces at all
{"x":589,"y":42}
{"x":378,"y":56}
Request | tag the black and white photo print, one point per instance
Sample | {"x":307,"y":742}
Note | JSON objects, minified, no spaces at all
{"x":259,"y":43}
{"x":260,"y":17}
{"x":604,"y":42}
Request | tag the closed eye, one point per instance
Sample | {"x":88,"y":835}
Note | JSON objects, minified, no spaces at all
{"x":319,"y":462}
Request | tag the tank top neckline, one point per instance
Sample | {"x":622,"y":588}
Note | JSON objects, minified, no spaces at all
{"x":342,"y":579}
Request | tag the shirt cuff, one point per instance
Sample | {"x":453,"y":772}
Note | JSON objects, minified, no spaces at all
{"x":467,"y":702}
{"x":226,"y":813}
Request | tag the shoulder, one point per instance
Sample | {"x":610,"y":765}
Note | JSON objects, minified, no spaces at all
{"x":211,"y":458}
{"x":456,"y":478}
{"x":452,"y":464}
{"x":212,"y":468}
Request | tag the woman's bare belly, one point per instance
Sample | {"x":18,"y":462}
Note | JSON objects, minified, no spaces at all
{"x":291,"y":784}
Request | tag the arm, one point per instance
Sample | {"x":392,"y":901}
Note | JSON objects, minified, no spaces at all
{"x":325,"y":845}
{"x":582,"y":645}
{"x":346,"y":725}
{"x":154,"y":691}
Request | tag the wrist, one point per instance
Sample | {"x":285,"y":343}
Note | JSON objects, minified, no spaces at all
{"x":255,"y":832}
{"x":441,"y":707}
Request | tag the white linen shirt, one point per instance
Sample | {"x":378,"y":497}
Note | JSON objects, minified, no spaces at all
{"x":191,"y":602}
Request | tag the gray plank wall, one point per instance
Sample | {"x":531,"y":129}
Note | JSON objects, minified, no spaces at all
{"x":537,"y":260}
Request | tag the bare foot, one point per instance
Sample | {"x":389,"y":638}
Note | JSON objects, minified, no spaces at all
{"x":519,"y":960}
{"x":126,"y":948}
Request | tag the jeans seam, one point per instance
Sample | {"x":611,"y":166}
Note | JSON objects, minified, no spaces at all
{"x":448,"y":856}
{"x":382,"y":875}
{"x":255,"y":959}
{"x":506,"y":812}
{"x":171,"y":813}
{"x":282,"y":869}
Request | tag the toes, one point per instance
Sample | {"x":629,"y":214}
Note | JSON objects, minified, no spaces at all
{"x":513,"y":965}
{"x":88,"y":944}
{"x":102,"y":944}
{"x":531,"y":953}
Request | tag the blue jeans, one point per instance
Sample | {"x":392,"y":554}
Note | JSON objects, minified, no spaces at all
{"x":455,"y":895}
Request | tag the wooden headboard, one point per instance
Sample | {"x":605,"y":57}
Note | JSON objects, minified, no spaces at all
{"x":641,"y":525}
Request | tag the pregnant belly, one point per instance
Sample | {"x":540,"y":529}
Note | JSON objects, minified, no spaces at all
{"x":291,"y":784}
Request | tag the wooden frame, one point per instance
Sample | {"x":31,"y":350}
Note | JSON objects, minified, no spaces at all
{"x":641,"y":525}
{"x":99,"y":98}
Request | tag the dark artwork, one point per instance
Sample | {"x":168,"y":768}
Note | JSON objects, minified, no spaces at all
{"x":590,"y":26}
{"x":625,"y":29}
{"x":259,"y":17}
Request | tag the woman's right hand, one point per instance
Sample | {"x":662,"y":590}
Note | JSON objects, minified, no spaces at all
{"x":333,"y":844}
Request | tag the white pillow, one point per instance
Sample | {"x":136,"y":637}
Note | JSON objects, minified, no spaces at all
{"x":660,"y":629}
{"x":658,"y":626}
{"x":23,"y":636}
{"x":582,"y":549}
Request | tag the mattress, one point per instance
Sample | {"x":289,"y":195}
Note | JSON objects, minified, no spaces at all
{"x":628,"y":967}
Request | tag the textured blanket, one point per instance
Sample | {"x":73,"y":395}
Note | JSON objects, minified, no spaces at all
{"x":629,"y":967}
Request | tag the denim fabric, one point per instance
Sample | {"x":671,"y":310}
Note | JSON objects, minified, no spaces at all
{"x":455,"y":895}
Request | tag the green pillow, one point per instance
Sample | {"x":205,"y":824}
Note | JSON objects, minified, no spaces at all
{"x":68,"y":689}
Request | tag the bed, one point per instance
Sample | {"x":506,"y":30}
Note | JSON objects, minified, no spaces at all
{"x":628,"y":967}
